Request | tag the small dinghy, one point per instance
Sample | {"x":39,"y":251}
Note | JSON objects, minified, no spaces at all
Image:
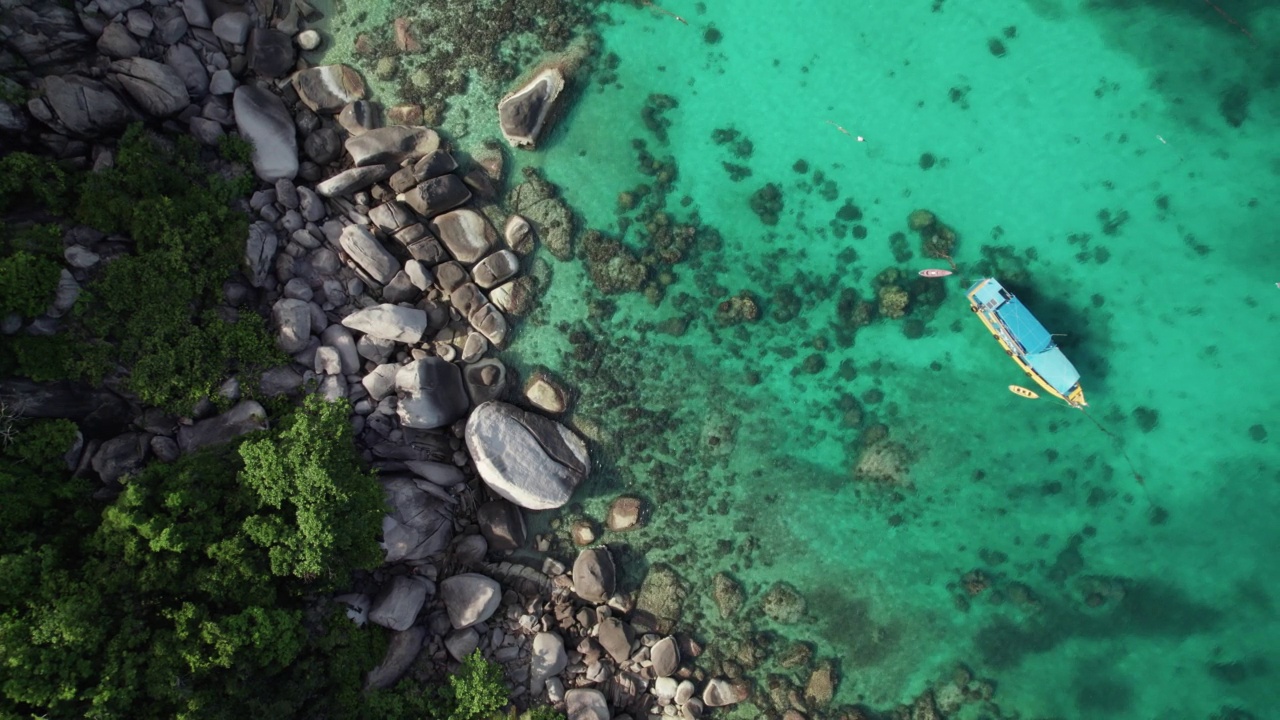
{"x":1023,"y":392}
{"x":934,"y":273}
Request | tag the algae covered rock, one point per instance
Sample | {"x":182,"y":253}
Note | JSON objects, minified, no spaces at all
{"x":659,"y":604}
{"x":783,"y":603}
{"x":728,"y":594}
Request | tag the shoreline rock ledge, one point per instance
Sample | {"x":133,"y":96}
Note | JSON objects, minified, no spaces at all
{"x":523,"y":113}
{"x":531,"y":460}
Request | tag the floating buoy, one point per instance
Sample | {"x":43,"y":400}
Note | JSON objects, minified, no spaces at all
{"x":934,"y":273}
{"x":1023,"y":392}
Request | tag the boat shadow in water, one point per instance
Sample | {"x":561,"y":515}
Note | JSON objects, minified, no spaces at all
{"x":1083,"y":332}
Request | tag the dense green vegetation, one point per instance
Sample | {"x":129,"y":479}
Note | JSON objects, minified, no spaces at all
{"x":150,"y":313}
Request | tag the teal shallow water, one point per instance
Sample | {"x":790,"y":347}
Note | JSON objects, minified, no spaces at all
{"x":1095,"y":114}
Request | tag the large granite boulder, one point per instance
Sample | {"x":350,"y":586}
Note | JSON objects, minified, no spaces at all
{"x":157,"y":88}
{"x":391,"y":144}
{"x":243,"y":418}
{"x":548,"y":658}
{"x":292,"y":318}
{"x":502,"y":524}
{"x":419,"y":525}
{"x":328,"y":88}
{"x":187,"y":63}
{"x":264,"y":121}
{"x":120,"y":456}
{"x":470,"y":598}
{"x":586,"y":704}
{"x":84,"y":107}
{"x":398,"y":604}
{"x":389,"y":322}
{"x":528,"y":459}
{"x":353,"y":179}
{"x":431,"y":394}
{"x":271,"y":52}
{"x":401,"y":652}
{"x":523,"y":113}
{"x":594,"y":575}
{"x":368,"y":253}
{"x":466,"y":233}
{"x":436,"y":195}
{"x":665,"y":655}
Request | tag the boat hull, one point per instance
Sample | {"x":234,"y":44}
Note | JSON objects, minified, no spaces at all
{"x":1025,"y":341}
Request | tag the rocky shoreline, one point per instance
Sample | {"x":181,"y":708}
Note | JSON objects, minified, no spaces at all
{"x":377,"y":254}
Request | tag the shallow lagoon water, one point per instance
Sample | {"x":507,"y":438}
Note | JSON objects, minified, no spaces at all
{"x":1091,"y":149}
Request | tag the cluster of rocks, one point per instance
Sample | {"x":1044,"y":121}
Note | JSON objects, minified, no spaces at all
{"x":388,"y":285}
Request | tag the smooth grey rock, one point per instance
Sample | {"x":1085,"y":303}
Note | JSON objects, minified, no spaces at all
{"x":327,"y":361}
{"x":357,"y":118}
{"x":398,"y":604}
{"x":156,"y":87}
{"x":515,"y":297}
{"x":434,"y":164}
{"x":392,"y":144}
{"x":402,"y":650}
{"x":121,"y":455}
{"x":271,"y":52}
{"x":502,"y":525}
{"x":594,"y":575}
{"x":400,"y":289}
{"x":308,"y":40}
{"x":292,"y":319}
{"x":80,"y":257}
{"x":260,"y":252}
{"x":390,"y":216}
{"x":431,"y":394}
{"x":418,"y":274}
{"x":368,"y":253}
{"x":196,"y":13}
{"x":139,"y":22}
{"x":264,"y":121}
{"x":171,"y":25}
{"x":245,"y":417}
{"x":222,"y":82}
{"x":165,"y":448}
{"x":381,"y":381}
{"x":436,"y":195}
{"x":233,"y":27}
{"x":522,"y":115}
{"x":419,"y":525}
{"x":586,"y":704}
{"x":339,"y":338}
{"x":519,"y":235}
{"x":665,"y":655}
{"x":66,"y":294}
{"x":470,"y":598}
{"x":389,"y":322}
{"x":117,"y":42}
{"x":528,"y":459}
{"x":496,"y":269}
{"x":279,"y":381}
{"x":615,"y":637}
{"x":548,"y":658}
{"x":377,"y":349}
{"x":85,"y":107}
{"x":490,"y":322}
{"x":461,"y":643}
{"x":437,"y":473}
{"x":205,"y":131}
{"x":465,"y":233}
{"x":354,"y":179}
{"x":187,"y":64}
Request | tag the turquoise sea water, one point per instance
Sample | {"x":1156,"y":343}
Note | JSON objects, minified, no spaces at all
{"x":1115,"y":163}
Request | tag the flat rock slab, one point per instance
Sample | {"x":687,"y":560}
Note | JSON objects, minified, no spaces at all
{"x":401,"y":652}
{"x":156,"y":87}
{"x":586,"y":704}
{"x":368,"y":253}
{"x":392,"y":144}
{"x":533,"y":461}
{"x":389,"y":322}
{"x":466,"y":234}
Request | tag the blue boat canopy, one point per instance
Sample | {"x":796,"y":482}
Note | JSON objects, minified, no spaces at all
{"x":1026,"y":329}
{"x":1055,"y":368}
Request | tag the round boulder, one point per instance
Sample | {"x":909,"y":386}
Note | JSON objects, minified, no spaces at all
{"x":625,"y":513}
{"x":594,"y":575}
{"x":470,"y":598}
{"x":528,"y":459}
